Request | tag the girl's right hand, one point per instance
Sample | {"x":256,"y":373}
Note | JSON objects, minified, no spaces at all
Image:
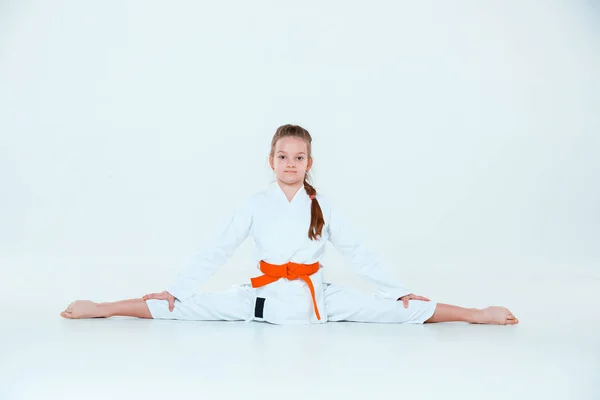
{"x":162,"y":296}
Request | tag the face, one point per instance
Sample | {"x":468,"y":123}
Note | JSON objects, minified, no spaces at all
{"x":290,"y":160}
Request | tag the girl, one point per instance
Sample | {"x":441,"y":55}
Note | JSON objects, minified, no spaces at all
{"x":290,"y":224}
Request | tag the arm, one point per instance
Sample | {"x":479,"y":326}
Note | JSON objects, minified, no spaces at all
{"x":214,"y":254}
{"x":362,"y":259}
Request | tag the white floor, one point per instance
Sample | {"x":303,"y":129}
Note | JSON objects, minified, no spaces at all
{"x":552,"y":354}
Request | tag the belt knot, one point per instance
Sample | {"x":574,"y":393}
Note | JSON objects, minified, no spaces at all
{"x":291,"y":271}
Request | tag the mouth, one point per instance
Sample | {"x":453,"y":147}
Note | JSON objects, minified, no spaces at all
{"x":290,"y":172}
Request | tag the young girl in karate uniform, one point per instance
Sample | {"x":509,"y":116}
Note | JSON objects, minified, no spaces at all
{"x":290,"y":224}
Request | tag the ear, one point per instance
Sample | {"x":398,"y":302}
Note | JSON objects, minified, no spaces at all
{"x":309,"y":165}
{"x":271,"y":162}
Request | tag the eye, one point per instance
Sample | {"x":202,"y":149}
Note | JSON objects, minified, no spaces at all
{"x":301,"y":158}
{"x":281,"y":156}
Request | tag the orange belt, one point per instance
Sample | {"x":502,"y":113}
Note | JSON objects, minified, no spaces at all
{"x":290,"y":271}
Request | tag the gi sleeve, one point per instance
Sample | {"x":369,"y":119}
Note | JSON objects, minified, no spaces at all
{"x":230,"y":235}
{"x":364,"y":261}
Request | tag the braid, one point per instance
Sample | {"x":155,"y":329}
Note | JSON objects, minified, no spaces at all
{"x":316,"y":214}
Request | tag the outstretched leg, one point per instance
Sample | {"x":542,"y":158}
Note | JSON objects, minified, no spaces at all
{"x":235,"y":304}
{"x":343,"y":304}
{"x":488,"y":315}
{"x":89,"y":309}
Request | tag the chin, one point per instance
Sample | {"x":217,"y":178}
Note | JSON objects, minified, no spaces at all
{"x":290,"y":179}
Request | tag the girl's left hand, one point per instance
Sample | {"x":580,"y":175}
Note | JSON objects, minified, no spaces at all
{"x":411,"y":297}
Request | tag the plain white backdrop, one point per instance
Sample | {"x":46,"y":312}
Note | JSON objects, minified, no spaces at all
{"x":462,"y":137}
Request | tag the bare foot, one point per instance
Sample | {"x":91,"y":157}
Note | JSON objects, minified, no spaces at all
{"x":82,"y":309}
{"x":496,"y":316}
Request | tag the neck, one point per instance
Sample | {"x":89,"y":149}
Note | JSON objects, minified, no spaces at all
{"x":290,"y":189}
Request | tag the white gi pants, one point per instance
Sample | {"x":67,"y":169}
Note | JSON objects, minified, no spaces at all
{"x":240,"y":304}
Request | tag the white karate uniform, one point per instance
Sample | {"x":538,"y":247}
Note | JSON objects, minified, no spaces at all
{"x":280,"y":232}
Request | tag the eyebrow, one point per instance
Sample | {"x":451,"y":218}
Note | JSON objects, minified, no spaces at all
{"x":281,"y":151}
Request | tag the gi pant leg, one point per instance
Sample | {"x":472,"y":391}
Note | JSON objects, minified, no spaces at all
{"x":348,"y":305}
{"x":234,"y":304}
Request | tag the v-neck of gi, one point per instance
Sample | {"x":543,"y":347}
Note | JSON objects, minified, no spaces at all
{"x":279,"y":192}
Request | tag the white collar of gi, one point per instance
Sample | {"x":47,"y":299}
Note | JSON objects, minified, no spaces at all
{"x":276,"y":190}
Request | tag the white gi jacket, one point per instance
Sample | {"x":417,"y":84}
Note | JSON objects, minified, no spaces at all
{"x":280,"y":232}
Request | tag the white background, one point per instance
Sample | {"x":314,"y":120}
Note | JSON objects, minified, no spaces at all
{"x":462,"y":137}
